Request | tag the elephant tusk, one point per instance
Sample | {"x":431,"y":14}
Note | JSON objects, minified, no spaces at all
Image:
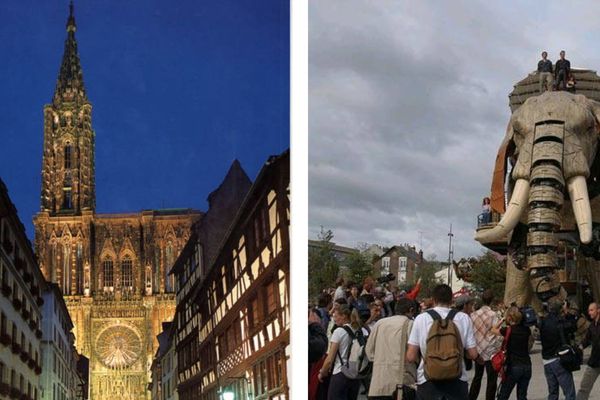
{"x":581,"y":207}
{"x":516,"y":206}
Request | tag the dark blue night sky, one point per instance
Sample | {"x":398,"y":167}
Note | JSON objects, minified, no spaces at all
{"x":179,"y":90}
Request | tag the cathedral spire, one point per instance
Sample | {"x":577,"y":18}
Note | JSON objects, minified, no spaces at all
{"x":69,"y":86}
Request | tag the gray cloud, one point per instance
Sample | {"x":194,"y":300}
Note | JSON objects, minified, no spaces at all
{"x":408,"y":104}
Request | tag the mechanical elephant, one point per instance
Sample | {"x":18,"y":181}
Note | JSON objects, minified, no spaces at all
{"x":552,"y":145}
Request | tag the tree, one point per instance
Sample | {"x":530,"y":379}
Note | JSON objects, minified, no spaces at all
{"x":427,"y":272}
{"x":489,"y":273}
{"x":323,"y":266}
{"x":359,"y":267}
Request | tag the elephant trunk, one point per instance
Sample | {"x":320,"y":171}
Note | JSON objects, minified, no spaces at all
{"x":546,"y":197}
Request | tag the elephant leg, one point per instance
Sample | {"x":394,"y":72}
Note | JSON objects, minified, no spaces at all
{"x":518,"y":288}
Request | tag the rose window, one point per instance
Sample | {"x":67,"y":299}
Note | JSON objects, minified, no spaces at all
{"x":118,"y":346}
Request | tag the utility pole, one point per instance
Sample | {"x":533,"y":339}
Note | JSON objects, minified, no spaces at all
{"x":450,"y":256}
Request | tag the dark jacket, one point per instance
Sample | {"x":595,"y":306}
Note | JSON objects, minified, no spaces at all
{"x":562,"y":65}
{"x":545,"y":66}
{"x":549,"y":333}
{"x":592,"y":337}
{"x":317,"y":342}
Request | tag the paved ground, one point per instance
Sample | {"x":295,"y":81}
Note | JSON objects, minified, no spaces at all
{"x":538,"y":389}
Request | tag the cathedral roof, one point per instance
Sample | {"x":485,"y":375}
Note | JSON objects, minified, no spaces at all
{"x":69,"y":86}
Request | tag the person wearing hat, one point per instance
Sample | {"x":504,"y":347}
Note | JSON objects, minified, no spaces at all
{"x":464,"y":303}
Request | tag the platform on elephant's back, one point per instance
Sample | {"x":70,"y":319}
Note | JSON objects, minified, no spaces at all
{"x":587,"y":83}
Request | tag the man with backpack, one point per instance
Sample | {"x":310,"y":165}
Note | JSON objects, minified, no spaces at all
{"x":439,"y":336}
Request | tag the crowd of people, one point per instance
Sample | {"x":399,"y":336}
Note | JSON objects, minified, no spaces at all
{"x":422,"y":349}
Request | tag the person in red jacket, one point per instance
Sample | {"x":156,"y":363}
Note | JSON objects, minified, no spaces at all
{"x":414,"y":292}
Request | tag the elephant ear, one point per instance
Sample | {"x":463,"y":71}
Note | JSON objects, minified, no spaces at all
{"x":497,"y":201}
{"x":595,"y":107}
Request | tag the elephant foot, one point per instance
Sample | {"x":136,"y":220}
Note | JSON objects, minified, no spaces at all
{"x":545,"y":284}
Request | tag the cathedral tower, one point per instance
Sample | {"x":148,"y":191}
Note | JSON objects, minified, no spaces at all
{"x":68,"y":159}
{"x":112,"y":269}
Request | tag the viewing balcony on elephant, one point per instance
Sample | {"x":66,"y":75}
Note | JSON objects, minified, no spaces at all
{"x":587,"y":83}
{"x":487,"y":221}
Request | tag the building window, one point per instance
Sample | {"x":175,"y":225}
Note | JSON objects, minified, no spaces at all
{"x":66,"y":283}
{"x":385,"y":266}
{"x":68,"y":156}
{"x":271,"y":292}
{"x":67,"y":201}
{"x":108,"y":274}
{"x":127,"y":272}
{"x":170,"y":259}
{"x":402,"y":261}
{"x":3,"y":324}
{"x":261,"y":227}
{"x":79,"y":267}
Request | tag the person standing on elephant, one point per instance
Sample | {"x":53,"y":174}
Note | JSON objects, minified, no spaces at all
{"x":556,"y":374}
{"x":544,"y":70}
{"x":486,"y":211}
{"x":593,"y":368}
{"x":562,"y":72}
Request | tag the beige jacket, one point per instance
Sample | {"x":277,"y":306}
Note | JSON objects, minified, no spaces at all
{"x":386,"y":347}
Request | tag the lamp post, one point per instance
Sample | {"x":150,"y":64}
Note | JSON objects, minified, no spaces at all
{"x":450,"y":236}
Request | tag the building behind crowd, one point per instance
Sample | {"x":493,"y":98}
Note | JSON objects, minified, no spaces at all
{"x":402,"y":261}
{"x":339,"y":252}
{"x":232,"y":315}
{"x":60,"y":376}
{"x":21,"y":287}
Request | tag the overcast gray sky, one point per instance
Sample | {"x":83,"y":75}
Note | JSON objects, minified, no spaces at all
{"x":408,"y":103}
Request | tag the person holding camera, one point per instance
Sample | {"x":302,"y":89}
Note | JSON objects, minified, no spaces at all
{"x":518,"y":362}
{"x":593,"y":368}
{"x":556,"y":374}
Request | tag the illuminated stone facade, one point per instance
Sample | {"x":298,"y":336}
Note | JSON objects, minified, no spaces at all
{"x":112,"y":268}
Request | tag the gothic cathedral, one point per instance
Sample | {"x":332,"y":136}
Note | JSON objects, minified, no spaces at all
{"x":112,"y":268}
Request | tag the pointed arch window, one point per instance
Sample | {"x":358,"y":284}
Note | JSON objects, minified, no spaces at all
{"x":67,"y":199}
{"x":108,"y":274}
{"x":169,"y":279}
{"x":68,"y":156}
{"x":127,"y":273}
{"x":66,"y":269}
{"x":79,"y":267}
